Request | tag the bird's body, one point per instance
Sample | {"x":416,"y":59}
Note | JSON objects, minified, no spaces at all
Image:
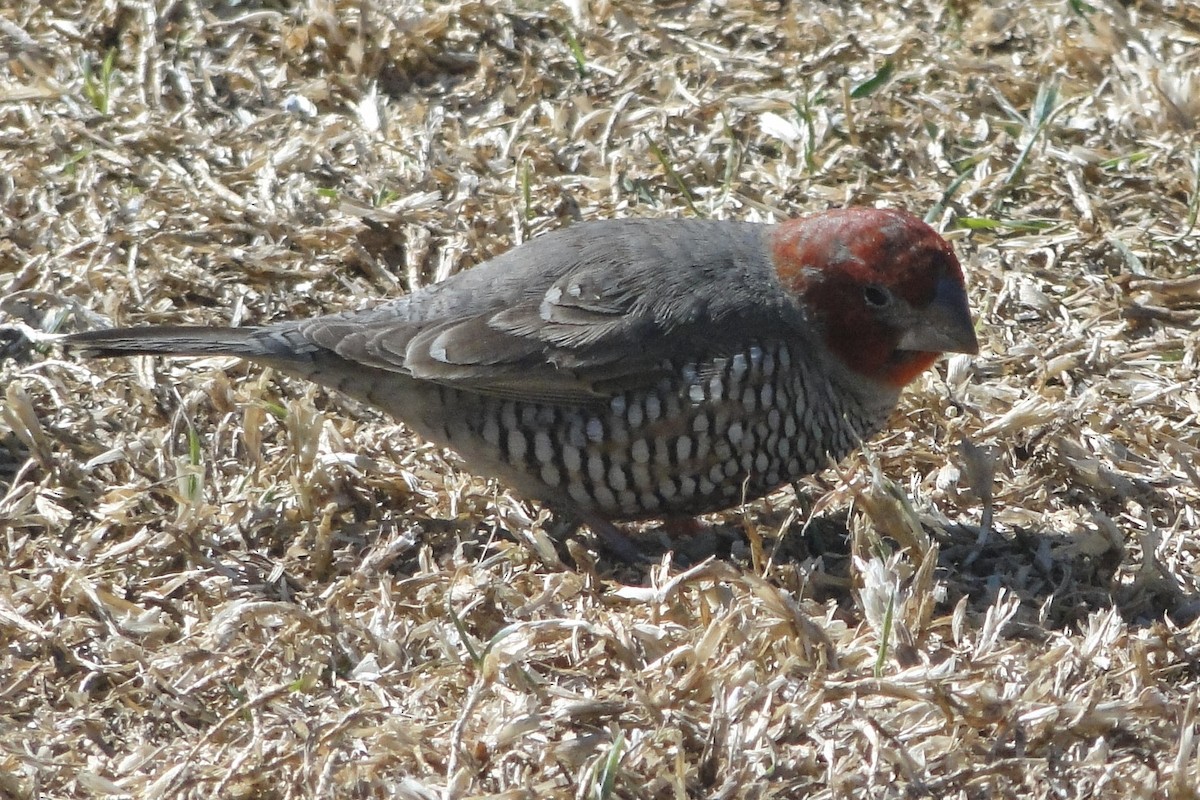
{"x":636,"y":368}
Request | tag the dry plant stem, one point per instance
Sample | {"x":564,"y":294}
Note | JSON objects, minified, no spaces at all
{"x":306,"y":157}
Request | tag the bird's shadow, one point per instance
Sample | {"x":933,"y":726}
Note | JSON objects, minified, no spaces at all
{"x":1061,"y":578}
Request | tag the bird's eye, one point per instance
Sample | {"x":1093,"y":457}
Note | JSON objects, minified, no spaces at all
{"x":877,"y":296}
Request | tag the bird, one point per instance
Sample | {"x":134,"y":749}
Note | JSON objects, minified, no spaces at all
{"x":626,"y":369}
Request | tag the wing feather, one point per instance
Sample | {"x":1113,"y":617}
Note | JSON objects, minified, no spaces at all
{"x":575,"y":316}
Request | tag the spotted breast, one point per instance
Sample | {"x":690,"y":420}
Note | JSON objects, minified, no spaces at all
{"x":716,"y":430}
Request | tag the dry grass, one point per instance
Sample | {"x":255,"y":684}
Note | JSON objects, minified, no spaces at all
{"x":215,"y":583}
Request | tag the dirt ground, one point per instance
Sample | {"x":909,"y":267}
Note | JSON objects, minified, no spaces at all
{"x":218,"y":582}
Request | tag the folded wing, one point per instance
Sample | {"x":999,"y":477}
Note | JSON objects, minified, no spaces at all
{"x":578,"y":315}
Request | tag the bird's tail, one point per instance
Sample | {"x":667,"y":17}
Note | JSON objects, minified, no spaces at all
{"x":176,"y":340}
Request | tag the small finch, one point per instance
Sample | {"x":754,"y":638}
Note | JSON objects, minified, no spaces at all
{"x":635,"y":368}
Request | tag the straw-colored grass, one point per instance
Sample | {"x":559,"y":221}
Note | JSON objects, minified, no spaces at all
{"x":215,"y":582}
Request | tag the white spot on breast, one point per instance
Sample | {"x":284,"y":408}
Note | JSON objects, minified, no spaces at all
{"x":596,"y":469}
{"x":761,"y":462}
{"x":785,"y":356}
{"x":696,"y":394}
{"x":617,"y":404}
{"x":716,"y":387}
{"x":605,"y":498}
{"x":636,"y":416}
{"x":653,"y":407}
{"x":595,"y":430}
{"x":572,"y":459}
{"x":705,"y":486}
{"x":737,"y":367}
{"x":517,"y":446}
{"x":543,"y":448}
{"x":789,"y":426}
{"x":756,"y":355}
{"x":683,"y":448}
{"x":550,"y":475}
{"x":735,"y":434}
{"x":575,"y":434}
{"x":641,"y":476}
{"x":687,"y":486}
{"x":616,"y":479}
{"x":700,"y":423}
{"x":749,"y":399}
{"x":667,"y":489}
{"x":579,"y":494}
{"x":767,"y":395}
{"x":640,"y":451}
{"x":491,"y":431}
{"x":648,"y":501}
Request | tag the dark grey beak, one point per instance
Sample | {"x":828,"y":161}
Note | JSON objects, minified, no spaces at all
{"x":945,"y":325}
